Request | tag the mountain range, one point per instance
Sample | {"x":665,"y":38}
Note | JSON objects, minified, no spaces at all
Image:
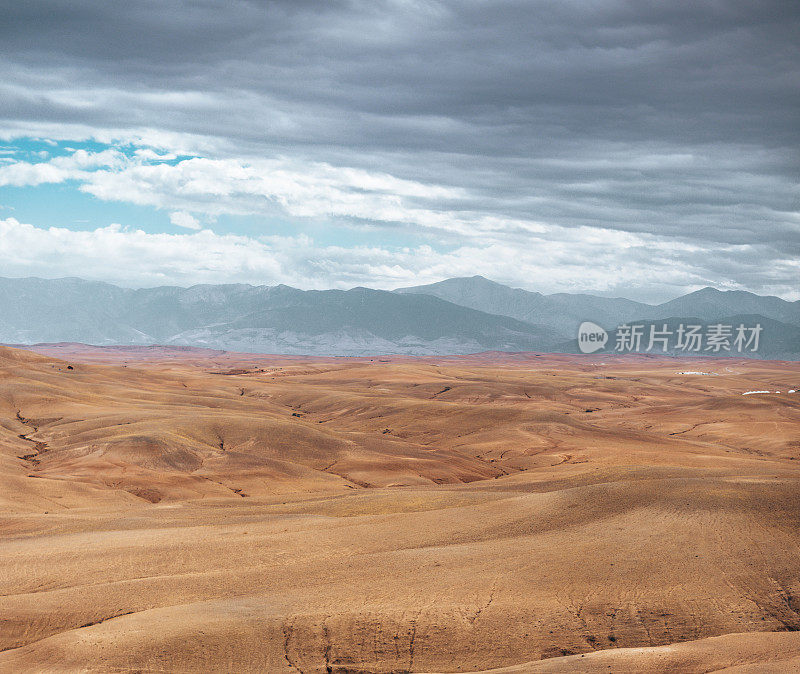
{"x":459,"y":315}
{"x":565,"y":312}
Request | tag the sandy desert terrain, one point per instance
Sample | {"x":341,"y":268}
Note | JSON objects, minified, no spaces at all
{"x":192,"y":511}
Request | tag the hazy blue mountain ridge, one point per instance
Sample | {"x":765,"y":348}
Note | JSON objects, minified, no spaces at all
{"x":460,"y":315}
{"x":565,"y":312}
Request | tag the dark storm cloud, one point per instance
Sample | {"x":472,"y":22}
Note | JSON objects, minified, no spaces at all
{"x":673,"y":118}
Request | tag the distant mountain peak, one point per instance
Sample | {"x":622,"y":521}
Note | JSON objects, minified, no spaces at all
{"x":467,"y":280}
{"x":462,"y":282}
{"x":710,"y":291}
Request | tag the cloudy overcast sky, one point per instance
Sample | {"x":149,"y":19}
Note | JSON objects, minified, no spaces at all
{"x":641,"y":148}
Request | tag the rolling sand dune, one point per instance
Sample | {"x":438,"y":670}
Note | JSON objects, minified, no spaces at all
{"x":182,"y":510}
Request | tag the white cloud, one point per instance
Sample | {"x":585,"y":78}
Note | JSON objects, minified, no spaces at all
{"x":170,"y":142}
{"x":516,"y":250}
{"x":279,"y":186}
{"x":184,"y":219}
{"x":148,"y":154}
{"x":577,"y":261}
{"x":305,"y":190}
{"x":80,"y":165}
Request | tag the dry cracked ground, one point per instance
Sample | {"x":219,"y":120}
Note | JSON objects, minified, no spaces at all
{"x":190,"y":511}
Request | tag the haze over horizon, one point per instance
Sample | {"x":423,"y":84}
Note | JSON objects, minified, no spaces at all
{"x":623,"y":149}
{"x":187,"y":285}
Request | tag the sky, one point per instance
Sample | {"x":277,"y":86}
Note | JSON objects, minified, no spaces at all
{"x":637,"y":148}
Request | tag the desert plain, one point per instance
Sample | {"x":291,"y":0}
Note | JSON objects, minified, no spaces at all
{"x":181,"y":510}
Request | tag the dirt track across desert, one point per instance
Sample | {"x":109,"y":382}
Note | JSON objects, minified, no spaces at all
{"x":182,"y":510}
